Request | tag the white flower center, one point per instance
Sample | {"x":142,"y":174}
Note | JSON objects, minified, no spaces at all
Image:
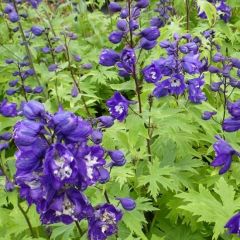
{"x":119,"y":108}
{"x":175,"y":83}
{"x":90,"y":162}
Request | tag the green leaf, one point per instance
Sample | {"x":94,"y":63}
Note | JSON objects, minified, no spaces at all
{"x":209,"y":208}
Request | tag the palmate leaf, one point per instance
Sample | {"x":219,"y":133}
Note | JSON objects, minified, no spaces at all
{"x":158,"y":177}
{"x":209,"y":208}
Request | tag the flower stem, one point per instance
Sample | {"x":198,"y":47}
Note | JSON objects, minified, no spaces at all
{"x":29,"y":54}
{"x":188,"y":14}
{"x":134,"y":73}
{"x":79,"y":228}
{"x":73,"y":77}
{"x":150,"y":101}
{"x":27,"y":219}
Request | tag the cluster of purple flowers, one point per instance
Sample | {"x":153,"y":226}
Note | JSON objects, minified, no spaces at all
{"x":164,"y":10}
{"x":168,"y":73}
{"x":12,"y":12}
{"x":222,"y":8}
{"x":128,"y":30}
{"x":23,"y":72}
{"x":59,"y":156}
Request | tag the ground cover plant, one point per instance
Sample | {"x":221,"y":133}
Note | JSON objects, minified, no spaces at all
{"x":120,"y":119}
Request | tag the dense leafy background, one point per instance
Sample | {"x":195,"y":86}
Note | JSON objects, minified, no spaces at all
{"x":179,"y":196}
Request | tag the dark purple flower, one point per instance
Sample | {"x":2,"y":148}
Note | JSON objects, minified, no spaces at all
{"x":9,"y":186}
{"x":142,"y":3}
{"x":215,"y":86}
{"x":191,"y":63}
{"x":74,"y":91}
{"x":34,"y":3}
{"x":147,"y":45}
{"x":213,"y":69}
{"x":235,"y":62}
{"x":46,"y":50}
{"x":105,"y":121}
{"x":151,"y":33}
{"x":162,"y":89}
{"x":67,"y":207}
{"x":77,"y":58}
{"x":104,"y":221}
{"x":177,"y":85}
{"x":128,"y":59}
{"x":4,"y":146}
{"x":234,"y":108}
{"x":152,"y":73}
{"x":124,"y":13}
{"x":11,"y":91}
{"x":8,"y":109}
{"x":27,"y":89}
{"x":127,"y":203}
{"x":122,"y":25}
{"x":6,"y":136}
{"x":224,"y":10}
{"x":108,"y":57}
{"x":223,"y":155}
{"x":196,"y":95}
{"x":9,"y":8}
{"x":114,"y":7}
{"x":231,"y":124}
{"x":59,"y":166}
{"x":9,"y":61}
{"x":87,"y":66}
{"x":233,"y":224}
{"x":96,"y":136}
{"x":38,"y":89}
{"x":13,"y":83}
{"x":37,"y":30}
{"x":93,"y":158}
{"x":157,"y":22}
{"x":53,"y":67}
{"x":118,"y":106}
{"x":116,"y":37}
{"x":208,"y":115}
{"x":104,"y":175}
{"x":59,"y":48}
{"x":33,"y":110}
{"x":13,"y":17}
{"x":117,"y":157}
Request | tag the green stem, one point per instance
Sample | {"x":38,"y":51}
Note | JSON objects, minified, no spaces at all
{"x":79,"y":228}
{"x":27,"y":219}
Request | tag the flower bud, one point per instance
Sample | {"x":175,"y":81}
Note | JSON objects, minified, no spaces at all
{"x":213,"y":69}
{"x":122,"y":25}
{"x":157,"y":22}
{"x":127,"y":203}
{"x":106,"y":121}
{"x":6,"y":136}
{"x":124,"y":13}
{"x":96,"y":136}
{"x":13,"y":17}
{"x":37,"y":31}
{"x":52,"y":67}
{"x":33,"y":110}
{"x":142,"y":3}
{"x":147,"y":45}
{"x":108,"y":57}
{"x":116,"y":37}
{"x":9,"y":186}
{"x":235,"y":62}
{"x":215,"y":86}
{"x":11,"y":91}
{"x":117,"y":157}
{"x":3,"y":146}
{"x":208,"y":115}
{"x":104,"y":175}
{"x":114,"y":7}
{"x":218,"y":57}
{"x":87,"y":66}
{"x":151,"y":33}
{"x":38,"y":89}
{"x":46,"y":50}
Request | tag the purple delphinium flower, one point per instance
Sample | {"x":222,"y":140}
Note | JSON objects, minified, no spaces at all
{"x":118,"y":158}
{"x":118,"y":106}
{"x":114,"y":7}
{"x":104,"y":222}
{"x":234,"y":108}
{"x":108,"y":57}
{"x":8,"y":109}
{"x":67,"y":207}
{"x":127,"y":203}
{"x":176,"y":84}
{"x":128,"y":59}
{"x":223,"y":155}
{"x":152,"y":73}
{"x":151,"y":33}
{"x":233,"y":224}
{"x":196,"y":95}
